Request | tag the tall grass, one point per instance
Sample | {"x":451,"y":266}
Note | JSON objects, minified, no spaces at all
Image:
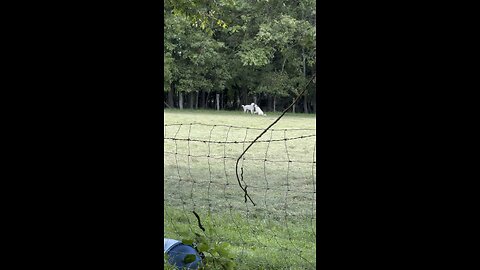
{"x":279,"y":232}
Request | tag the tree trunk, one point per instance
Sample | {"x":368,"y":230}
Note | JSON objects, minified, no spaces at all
{"x":191,"y":100}
{"x":180,"y":100}
{"x":314,"y":102}
{"x":196,"y":100}
{"x":255,"y":99}
{"x":274,"y":103}
{"x":293,"y":107}
{"x":203,"y":99}
{"x":238,"y":98}
{"x":217,"y":96}
{"x":170,"y":96}
{"x":222,"y":98}
{"x":206,"y":101}
{"x":305,"y":104}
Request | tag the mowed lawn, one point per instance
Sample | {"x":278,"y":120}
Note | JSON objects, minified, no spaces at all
{"x":200,"y":156}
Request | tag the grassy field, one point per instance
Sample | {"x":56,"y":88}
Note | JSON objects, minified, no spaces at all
{"x":201,"y":150}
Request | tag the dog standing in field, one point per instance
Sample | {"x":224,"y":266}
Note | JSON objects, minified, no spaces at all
{"x":258,"y":111}
{"x":250,"y":108}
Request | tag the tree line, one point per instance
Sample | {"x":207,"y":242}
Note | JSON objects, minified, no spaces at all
{"x":221,"y":54}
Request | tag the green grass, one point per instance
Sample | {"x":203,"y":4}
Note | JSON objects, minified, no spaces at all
{"x":290,"y":120}
{"x":277,"y":233}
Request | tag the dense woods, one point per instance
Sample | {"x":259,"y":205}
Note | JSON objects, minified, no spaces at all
{"x":221,"y":54}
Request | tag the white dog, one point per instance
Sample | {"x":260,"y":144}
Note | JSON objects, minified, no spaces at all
{"x":250,"y":108}
{"x":258,"y":110}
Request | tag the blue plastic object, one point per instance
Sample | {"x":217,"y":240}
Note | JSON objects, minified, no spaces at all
{"x":177,"y":254}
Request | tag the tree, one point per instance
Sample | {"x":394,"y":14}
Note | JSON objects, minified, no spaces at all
{"x":236,"y":51}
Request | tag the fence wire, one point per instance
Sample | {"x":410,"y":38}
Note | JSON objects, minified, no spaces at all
{"x":279,"y":171}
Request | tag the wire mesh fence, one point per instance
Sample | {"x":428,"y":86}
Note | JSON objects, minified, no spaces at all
{"x":279,"y":172}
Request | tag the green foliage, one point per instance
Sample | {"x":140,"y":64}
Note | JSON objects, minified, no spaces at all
{"x":217,"y":255}
{"x":276,"y":84}
{"x":168,"y":70}
{"x":187,"y":241}
{"x":238,"y":47}
{"x":189,"y":258}
{"x":253,"y":53}
{"x":203,"y":247}
{"x":201,"y":14}
{"x":195,"y":60}
{"x":166,"y":265}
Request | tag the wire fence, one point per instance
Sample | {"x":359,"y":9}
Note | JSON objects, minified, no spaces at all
{"x":279,"y":172}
